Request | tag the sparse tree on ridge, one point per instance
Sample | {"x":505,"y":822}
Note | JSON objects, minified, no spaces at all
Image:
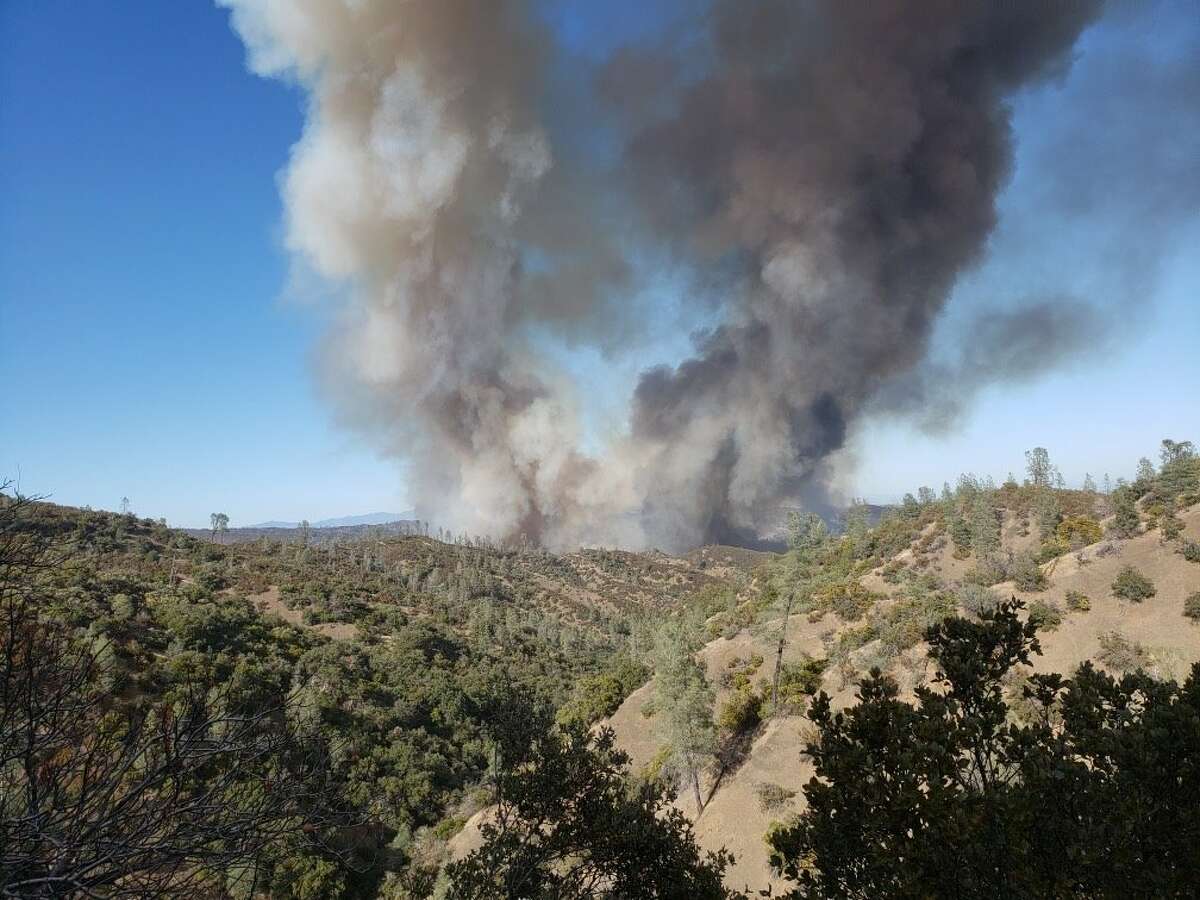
{"x":219,"y":524}
{"x":1174,"y":451}
{"x":1145,"y":472}
{"x":1039,"y":468}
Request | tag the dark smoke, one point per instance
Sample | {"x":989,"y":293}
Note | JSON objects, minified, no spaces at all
{"x":847,"y":157}
{"x":820,"y":173}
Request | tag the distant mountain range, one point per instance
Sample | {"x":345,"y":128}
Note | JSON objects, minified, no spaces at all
{"x":324,"y":531}
{"x":375,"y":518}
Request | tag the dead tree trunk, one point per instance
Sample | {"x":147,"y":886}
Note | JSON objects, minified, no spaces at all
{"x":787,"y":614}
{"x":696,"y":790}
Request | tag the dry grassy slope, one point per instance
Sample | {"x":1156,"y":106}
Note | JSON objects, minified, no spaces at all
{"x":1158,"y":622}
{"x":733,"y":817}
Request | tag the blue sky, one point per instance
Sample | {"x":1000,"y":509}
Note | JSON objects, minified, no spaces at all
{"x":149,"y":351}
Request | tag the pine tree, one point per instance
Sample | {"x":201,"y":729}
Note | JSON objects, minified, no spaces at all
{"x":984,"y":527}
{"x":1126,"y":520}
{"x":685,"y":700}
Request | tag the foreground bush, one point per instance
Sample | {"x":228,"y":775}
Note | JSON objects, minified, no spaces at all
{"x":566,"y":823}
{"x":950,"y":798}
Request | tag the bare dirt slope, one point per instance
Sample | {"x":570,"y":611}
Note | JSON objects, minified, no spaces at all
{"x":1158,"y":623}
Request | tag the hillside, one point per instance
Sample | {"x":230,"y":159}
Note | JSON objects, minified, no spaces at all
{"x":867,"y":606}
{"x":391,"y":650}
{"x":388,"y":644}
{"x":293,"y":533}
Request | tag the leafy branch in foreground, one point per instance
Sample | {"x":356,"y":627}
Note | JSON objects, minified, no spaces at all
{"x":952,"y":798}
{"x":568,"y":823}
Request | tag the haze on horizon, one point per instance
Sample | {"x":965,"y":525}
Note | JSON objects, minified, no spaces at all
{"x":182,"y":334}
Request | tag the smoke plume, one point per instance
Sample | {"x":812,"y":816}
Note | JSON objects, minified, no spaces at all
{"x":820,"y":174}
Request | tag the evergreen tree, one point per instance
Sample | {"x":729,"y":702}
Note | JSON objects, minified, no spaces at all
{"x":684,"y":699}
{"x":1126,"y":520}
{"x":1144,"y":476}
{"x":1038,"y":468}
{"x":1176,"y":451}
{"x":567,"y":824}
{"x":1048,"y":512}
{"x":984,"y":527}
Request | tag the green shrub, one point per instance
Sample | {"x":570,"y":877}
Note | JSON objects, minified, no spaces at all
{"x":850,"y":601}
{"x":903,"y":625}
{"x":598,"y":696}
{"x":1051,"y":550}
{"x":797,"y":681}
{"x":1191,"y":606}
{"x":594,"y":698}
{"x":1172,"y":527}
{"x":1132,"y":585}
{"x":449,"y":827}
{"x":1046,"y":616}
{"x":1082,"y":530}
{"x":741,"y":712}
{"x":1078,"y":602}
{"x":1191,"y":551}
{"x":1027,"y":574}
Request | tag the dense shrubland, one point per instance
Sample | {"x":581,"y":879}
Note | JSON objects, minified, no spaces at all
{"x":162,"y":627}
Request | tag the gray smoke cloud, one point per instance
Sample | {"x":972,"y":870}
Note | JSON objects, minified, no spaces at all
{"x":821,"y":173}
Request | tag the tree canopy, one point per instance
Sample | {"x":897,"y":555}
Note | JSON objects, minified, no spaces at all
{"x":953,"y":797}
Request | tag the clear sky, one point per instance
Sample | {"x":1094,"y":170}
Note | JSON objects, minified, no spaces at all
{"x":148,"y":347}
